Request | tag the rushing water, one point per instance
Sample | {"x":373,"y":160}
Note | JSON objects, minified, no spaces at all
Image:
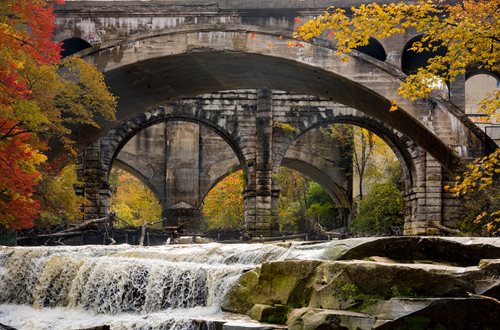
{"x":127,"y":287}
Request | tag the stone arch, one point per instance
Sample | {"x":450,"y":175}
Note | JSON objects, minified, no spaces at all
{"x":373,"y":49}
{"x":485,"y":82}
{"x":73,"y":45}
{"x":148,"y":69}
{"x":403,"y":148}
{"x":334,"y":190}
{"x":411,"y":61}
{"x":230,"y":170}
{"x":130,"y":169}
{"x":116,"y":138}
{"x":478,"y":84}
{"x":174,"y":208}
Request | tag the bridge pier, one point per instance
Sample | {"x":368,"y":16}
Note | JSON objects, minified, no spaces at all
{"x":94,"y":187}
{"x":261,"y":200}
{"x":426,"y":204}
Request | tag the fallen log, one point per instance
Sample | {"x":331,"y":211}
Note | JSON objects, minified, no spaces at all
{"x":446,"y":229}
{"x":86,"y":223}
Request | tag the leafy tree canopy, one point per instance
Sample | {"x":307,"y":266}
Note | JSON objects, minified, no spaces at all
{"x":39,"y":96}
{"x":469,"y":30}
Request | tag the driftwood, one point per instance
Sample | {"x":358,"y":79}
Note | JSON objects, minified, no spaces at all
{"x":85,"y":224}
{"x":59,"y":234}
{"x":446,"y":229}
{"x":72,"y":231}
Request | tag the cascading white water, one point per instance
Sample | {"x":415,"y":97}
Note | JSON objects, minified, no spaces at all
{"x":126,"y":287}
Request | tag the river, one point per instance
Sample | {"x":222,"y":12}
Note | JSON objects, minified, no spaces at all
{"x":129,"y":287}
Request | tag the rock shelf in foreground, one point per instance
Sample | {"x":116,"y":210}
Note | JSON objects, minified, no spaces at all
{"x":380,"y":286}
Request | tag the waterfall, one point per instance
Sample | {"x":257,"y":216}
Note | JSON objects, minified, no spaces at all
{"x":165,"y":287}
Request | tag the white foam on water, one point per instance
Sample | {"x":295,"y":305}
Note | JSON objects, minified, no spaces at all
{"x":128,"y":287}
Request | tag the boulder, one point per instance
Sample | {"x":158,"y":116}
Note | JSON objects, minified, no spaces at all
{"x":458,"y":251}
{"x":268,"y":292}
{"x":274,"y":283}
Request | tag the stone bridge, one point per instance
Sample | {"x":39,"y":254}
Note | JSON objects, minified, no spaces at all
{"x":221,"y":65}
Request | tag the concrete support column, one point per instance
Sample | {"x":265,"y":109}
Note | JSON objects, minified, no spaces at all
{"x":94,"y":187}
{"x":261,"y":200}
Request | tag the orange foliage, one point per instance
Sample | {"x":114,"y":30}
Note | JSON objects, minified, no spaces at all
{"x":223,"y":206}
{"x":25,"y":39}
{"x":17,"y":182}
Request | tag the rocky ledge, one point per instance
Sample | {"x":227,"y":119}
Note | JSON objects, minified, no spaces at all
{"x":387,"y":283}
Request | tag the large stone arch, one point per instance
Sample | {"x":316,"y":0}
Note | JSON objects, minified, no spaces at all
{"x":95,"y":161}
{"x":151,"y":68}
{"x":403,"y":148}
{"x":116,"y":138}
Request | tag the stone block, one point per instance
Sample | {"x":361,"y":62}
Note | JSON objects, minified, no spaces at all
{"x":433,"y":202}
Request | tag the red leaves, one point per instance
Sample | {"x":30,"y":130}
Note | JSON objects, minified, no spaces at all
{"x":18,"y":179}
{"x":26,"y":46}
{"x":36,"y":41}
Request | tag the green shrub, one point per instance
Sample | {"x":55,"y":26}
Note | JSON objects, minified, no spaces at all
{"x":380,"y":212}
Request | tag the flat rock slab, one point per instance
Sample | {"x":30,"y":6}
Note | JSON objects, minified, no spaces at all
{"x":459,"y":251}
{"x":381,"y":282}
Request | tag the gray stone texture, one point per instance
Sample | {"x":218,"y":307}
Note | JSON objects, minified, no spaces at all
{"x":165,"y":60}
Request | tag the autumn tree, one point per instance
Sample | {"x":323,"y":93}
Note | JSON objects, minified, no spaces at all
{"x":480,"y":188}
{"x":57,"y":197}
{"x":468,"y":30}
{"x":132,"y":202}
{"x":292,"y":202}
{"x":39,"y":96}
{"x":224,"y":205}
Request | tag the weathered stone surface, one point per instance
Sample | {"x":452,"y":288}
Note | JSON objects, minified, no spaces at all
{"x":274,"y":283}
{"x":315,"y":291}
{"x":458,"y":251}
{"x":315,"y":318}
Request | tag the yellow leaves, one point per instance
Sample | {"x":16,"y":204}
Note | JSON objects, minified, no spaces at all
{"x":19,"y":64}
{"x":394,"y":106}
{"x":84,"y":94}
{"x":491,"y":104}
{"x":286,"y":127}
{"x":479,"y":175}
{"x":223,"y":206}
{"x":469,"y":29}
{"x":133,"y":202}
